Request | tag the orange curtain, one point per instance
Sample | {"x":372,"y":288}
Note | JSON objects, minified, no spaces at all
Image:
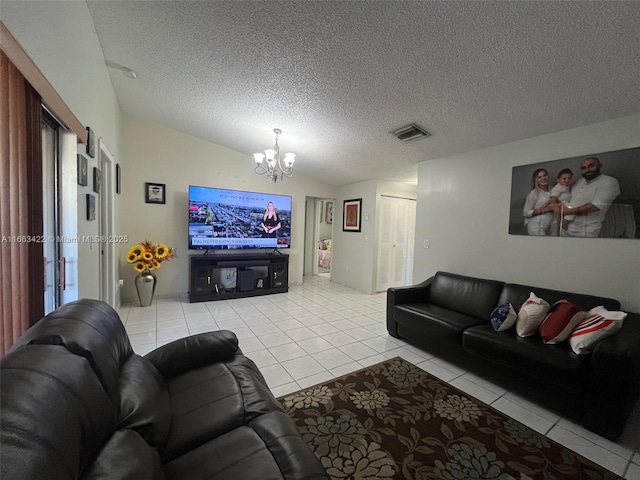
{"x":20,"y":173}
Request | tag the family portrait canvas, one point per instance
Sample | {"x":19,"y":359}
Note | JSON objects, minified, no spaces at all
{"x":588,"y":196}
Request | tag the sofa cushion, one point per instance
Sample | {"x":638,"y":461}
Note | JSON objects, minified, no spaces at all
{"x":503,"y":317}
{"x":471,"y":296}
{"x":562,"y":318}
{"x":90,"y":329}
{"x":439,"y":323}
{"x":228,"y":395}
{"x":54,"y":414}
{"x":598,"y":324}
{"x":531,"y":315}
{"x":268,"y":448}
{"x":144,"y":401}
{"x":530,"y":355}
{"x":126,"y":456}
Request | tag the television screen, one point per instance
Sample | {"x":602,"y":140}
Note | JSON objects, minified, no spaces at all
{"x":232,"y":219}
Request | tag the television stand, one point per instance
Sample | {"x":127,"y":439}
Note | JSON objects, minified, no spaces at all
{"x":222,"y":276}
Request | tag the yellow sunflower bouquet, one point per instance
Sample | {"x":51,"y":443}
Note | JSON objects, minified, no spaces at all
{"x":147,"y":256}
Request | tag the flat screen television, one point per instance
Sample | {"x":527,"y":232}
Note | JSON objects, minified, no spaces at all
{"x":236,"y":219}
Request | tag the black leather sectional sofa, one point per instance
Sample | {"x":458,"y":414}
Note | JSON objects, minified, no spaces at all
{"x":77,"y":403}
{"x":449,"y":314}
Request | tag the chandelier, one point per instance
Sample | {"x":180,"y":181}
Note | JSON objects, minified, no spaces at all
{"x":275,"y":168}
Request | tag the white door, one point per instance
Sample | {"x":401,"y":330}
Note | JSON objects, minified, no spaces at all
{"x":395,"y":242}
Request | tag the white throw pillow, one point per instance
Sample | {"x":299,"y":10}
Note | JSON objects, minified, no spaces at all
{"x":599,"y":324}
{"x":531,"y":315}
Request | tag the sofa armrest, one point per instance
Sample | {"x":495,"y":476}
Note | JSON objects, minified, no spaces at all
{"x":613,"y":383}
{"x":412,"y":294}
{"x":193,"y":352}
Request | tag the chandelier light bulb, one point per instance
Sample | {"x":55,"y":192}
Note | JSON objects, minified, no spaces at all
{"x":271,"y":154}
{"x":258,"y":157}
{"x":289,"y":158}
{"x":276,"y":168}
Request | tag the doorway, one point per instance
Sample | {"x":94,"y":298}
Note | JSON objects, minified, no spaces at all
{"x":59,"y":212}
{"x":54,"y":275}
{"x":324,"y":239}
{"x":318,"y":232}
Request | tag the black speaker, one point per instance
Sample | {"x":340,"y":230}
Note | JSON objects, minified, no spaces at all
{"x":280,"y":274}
{"x":246,"y":280}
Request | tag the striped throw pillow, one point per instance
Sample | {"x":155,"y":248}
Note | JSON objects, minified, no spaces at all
{"x":598,"y":324}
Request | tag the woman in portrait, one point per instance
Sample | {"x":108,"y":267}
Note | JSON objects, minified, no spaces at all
{"x":270,"y":222}
{"x":538,"y":211}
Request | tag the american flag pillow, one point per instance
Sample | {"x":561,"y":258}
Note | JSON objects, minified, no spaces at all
{"x":597,"y":325}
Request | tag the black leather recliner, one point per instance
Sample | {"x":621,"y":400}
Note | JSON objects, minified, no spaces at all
{"x":78,"y":403}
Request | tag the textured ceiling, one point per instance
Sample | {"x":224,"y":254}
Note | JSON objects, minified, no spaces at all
{"x":339,"y":77}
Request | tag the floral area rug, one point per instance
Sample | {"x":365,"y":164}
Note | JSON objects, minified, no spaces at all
{"x":394,"y":420}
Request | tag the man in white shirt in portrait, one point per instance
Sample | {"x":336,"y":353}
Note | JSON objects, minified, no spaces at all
{"x":591,"y":197}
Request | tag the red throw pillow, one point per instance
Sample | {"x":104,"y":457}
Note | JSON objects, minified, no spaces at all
{"x":562,"y":318}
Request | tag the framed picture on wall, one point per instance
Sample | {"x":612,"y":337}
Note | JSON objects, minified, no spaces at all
{"x":91,"y":207}
{"x":154,"y":193}
{"x":97,"y":179}
{"x":329,"y":213}
{"x":118,"y":179}
{"x":552,"y":198}
{"x":91,"y":143}
{"x":352,"y":215}
{"x":82,"y":170}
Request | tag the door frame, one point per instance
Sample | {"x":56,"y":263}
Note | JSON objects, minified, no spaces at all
{"x":107,"y":263}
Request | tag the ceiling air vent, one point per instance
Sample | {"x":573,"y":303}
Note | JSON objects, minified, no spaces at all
{"x":410,"y":133}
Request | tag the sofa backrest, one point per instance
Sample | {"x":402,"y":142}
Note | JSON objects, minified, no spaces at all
{"x":516,"y":295}
{"x":55,"y":415}
{"x":476,"y":297}
{"x":90,"y":329}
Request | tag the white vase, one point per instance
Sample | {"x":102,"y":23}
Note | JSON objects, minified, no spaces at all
{"x":146,"y":287}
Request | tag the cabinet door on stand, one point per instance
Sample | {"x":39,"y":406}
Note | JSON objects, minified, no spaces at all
{"x":279,"y":275}
{"x":201,"y":280}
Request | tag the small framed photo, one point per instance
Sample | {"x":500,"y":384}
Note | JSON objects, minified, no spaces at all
{"x":82,"y":170}
{"x":352,"y":215}
{"x":328,"y":217}
{"x":91,"y":143}
{"x":97,"y":179}
{"x":118,"y":179}
{"x":91,"y":207}
{"x":155,"y":193}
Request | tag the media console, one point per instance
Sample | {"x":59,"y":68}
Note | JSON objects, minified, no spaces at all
{"x":221,"y":277}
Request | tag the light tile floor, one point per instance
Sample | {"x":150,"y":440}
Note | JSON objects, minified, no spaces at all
{"x":321,"y":330}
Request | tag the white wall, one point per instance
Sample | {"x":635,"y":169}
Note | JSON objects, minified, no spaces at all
{"x":353,"y":261}
{"x":61,"y":40}
{"x":463,"y":209}
{"x":325,"y":230}
{"x":154,"y":153}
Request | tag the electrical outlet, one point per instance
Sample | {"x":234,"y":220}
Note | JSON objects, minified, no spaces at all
{"x":426,"y":243}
